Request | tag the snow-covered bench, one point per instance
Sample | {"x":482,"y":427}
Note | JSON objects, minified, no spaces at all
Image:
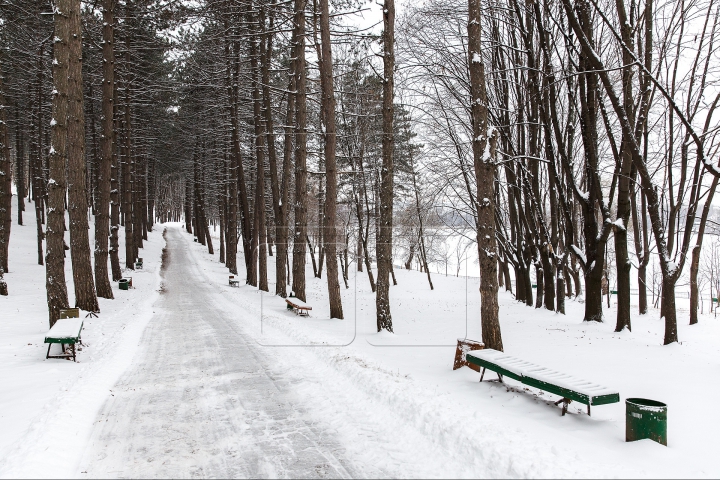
{"x":298,"y":306}
{"x":66,"y":331}
{"x":568,"y":387}
{"x":234,"y":282}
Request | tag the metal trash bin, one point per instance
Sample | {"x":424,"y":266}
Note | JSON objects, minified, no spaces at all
{"x":123,"y":283}
{"x":645,"y":419}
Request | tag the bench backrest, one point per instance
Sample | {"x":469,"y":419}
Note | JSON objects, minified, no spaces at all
{"x":70,"y":313}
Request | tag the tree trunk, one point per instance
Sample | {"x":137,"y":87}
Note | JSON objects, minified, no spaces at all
{"x":506,"y":273}
{"x":520,"y":293}
{"x":188,"y":205}
{"x":55,"y":245}
{"x":560,"y":294}
{"x":548,"y":270}
{"x":260,"y":132}
{"x":138,"y":180}
{"x":485,"y":181}
{"x":328,"y":117}
{"x":37,"y":173}
{"x":235,"y":164}
{"x":298,"y":273}
{"x":622,"y":259}
{"x":19,"y":166}
{"x":593,"y":294}
{"x":127,"y":175}
{"x":695,"y":262}
{"x":5,"y":179}
{"x":383,"y":245}
{"x":102,"y":217}
{"x":266,"y":49}
{"x":669,"y":310}
{"x":540,"y":285}
{"x":115,"y":195}
{"x":85,"y":297}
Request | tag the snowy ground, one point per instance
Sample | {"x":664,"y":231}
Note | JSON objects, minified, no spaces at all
{"x":207,"y":380}
{"x":48,"y":407}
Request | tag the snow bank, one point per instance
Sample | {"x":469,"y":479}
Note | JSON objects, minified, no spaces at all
{"x":47,"y":407}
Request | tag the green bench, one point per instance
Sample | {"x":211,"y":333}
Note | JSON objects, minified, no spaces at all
{"x":66,"y":331}
{"x":566,"y":386}
{"x":298,"y":306}
{"x":139,"y":263}
{"x":234,"y":282}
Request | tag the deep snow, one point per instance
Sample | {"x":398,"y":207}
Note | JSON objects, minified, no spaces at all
{"x":383,"y":404}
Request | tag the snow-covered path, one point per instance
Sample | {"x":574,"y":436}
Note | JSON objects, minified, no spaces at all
{"x":200,"y":399}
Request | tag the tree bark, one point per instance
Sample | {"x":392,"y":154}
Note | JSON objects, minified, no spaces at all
{"x":485,"y":184}
{"x":257,"y":272}
{"x":19,"y":166}
{"x":695,"y":262}
{"x":328,"y":116}
{"x":299,"y":250}
{"x":85,"y":297}
{"x":56,"y":288}
{"x":5,"y":179}
{"x":127,"y":173}
{"x":384,"y":239}
{"x":115,"y":193}
{"x":37,"y":178}
{"x":622,"y":259}
{"x":102,"y":217}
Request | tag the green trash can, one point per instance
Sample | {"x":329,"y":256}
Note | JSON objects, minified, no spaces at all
{"x":123,"y":283}
{"x":645,"y":419}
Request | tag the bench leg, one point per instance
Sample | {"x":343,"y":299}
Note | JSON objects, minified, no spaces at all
{"x":48,"y":352}
{"x":500,"y":378}
{"x":565,"y":402}
{"x":73,"y":352}
{"x":482,"y":374}
{"x":588,"y":409}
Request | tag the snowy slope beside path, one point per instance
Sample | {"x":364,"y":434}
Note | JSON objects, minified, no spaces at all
{"x":47,"y":407}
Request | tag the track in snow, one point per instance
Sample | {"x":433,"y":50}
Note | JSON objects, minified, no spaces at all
{"x":200,"y":400}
